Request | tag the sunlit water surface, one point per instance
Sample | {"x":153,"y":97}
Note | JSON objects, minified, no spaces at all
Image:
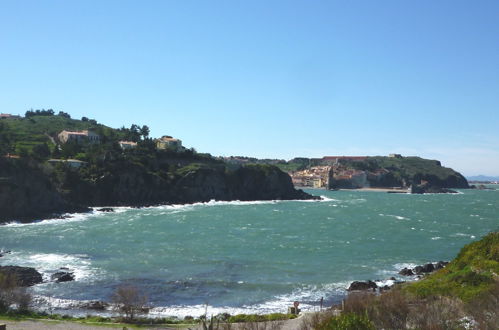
{"x":245,"y":257}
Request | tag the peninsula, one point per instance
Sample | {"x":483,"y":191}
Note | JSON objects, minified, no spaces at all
{"x":52,"y":164}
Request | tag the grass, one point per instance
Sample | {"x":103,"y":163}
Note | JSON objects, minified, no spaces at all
{"x":25,"y":133}
{"x":242,"y":318}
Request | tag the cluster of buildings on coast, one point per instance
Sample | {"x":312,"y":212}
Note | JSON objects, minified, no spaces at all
{"x":333,"y":173}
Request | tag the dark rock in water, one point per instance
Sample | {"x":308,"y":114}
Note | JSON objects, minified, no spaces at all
{"x":95,"y":305}
{"x":441,"y":264}
{"x":418,"y":270}
{"x":392,"y":278}
{"x":429,"y":189}
{"x":406,"y":272}
{"x":106,"y":209}
{"x":26,"y":276}
{"x":2,"y":253}
{"x":359,"y":285}
{"x":428,"y":268}
{"x":62,"y":277}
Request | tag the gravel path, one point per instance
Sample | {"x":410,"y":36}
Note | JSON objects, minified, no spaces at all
{"x":59,"y":325}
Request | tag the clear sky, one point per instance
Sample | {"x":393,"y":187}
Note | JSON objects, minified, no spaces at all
{"x":268,"y":78}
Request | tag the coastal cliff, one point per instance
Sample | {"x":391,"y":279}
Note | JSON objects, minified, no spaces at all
{"x":26,"y":193}
{"x":30,"y":191}
{"x":52,"y":164}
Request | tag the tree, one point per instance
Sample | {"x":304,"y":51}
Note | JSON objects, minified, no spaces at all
{"x":41,"y":151}
{"x":144,"y":131}
{"x":129,"y":301}
{"x":11,"y":294}
{"x":64,"y":114}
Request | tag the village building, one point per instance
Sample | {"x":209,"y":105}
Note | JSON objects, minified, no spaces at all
{"x":167,"y":142}
{"x":8,"y":115}
{"x":126,"y":145}
{"x":73,"y":163}
{"x":78,"y":136}
{"x":314,"y":177}
{"x":395,"y":155}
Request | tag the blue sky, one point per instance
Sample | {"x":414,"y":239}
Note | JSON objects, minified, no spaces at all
{"x":274,"y":79}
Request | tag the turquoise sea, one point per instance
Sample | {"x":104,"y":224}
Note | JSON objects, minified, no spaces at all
{"x":244,"y":257}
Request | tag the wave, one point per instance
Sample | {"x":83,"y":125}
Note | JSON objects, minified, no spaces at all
{"x":49,"y":263}
{"x":309,"y":297}
{"x":76,"y":217}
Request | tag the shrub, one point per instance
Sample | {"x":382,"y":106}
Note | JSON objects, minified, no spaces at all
{"x":129,"y":302}
{"x":12,"y":295}
{"x":349,"y":321}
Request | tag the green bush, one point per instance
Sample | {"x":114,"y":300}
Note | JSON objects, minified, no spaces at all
{"x":350,"y":321}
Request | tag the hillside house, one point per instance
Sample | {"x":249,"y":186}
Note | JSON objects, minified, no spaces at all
{"x":167,"y":142}
{"x":78,"y":136}
{"x":73,"y":163}
{"x":126,"y":145}
{"x":8,"y":115}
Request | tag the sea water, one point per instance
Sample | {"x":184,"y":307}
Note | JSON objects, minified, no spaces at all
{"x":247,"y":257}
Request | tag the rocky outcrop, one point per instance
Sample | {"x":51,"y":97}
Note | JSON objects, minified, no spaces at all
{"x":361,"y":286}
{"x":426,"y":188}
{"x":423,"y":269}
{"x":25,"y":276}
{"x":27,"y":193}
{"x":406,"y":272}
{"x":62,"y":277}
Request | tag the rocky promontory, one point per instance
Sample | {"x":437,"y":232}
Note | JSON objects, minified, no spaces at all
{"x":30,"y":191}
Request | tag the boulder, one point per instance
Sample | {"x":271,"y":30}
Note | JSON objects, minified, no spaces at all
{"x":428,"y":268}
{"x":2,"y":253}
{"x":26,"y":276}
{"x":62,"y":277}
{"x":95,"y":305}
{"x":441,"y":264}
{"x":406,"y":272}
{"x":106,"y":209}
{"x":418,"y":270}
{"x":360,"y":285}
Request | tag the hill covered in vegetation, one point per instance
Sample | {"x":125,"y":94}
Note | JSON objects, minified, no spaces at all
{"x":41,"y":175}
{"x":375,"y":171}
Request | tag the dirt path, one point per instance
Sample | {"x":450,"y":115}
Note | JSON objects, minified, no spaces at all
{"x":296,"y":324}
{"x":62,"y":325}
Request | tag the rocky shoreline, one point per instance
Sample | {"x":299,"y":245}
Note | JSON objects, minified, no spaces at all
{"x":29,"y":276}
{"x":419,"y":271}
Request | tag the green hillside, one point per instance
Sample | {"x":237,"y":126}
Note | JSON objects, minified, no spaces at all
{"x":20,"y":134}
{"x":472,"y":273}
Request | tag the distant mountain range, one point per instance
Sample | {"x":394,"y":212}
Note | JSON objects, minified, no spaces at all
{"x":482,"y":178}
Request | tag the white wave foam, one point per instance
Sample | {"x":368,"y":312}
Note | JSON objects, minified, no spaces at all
{"x":279,"y":304}
{"x":49,"y":263}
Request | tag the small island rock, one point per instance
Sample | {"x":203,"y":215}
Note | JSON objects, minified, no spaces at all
{"x":62,"y":277}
